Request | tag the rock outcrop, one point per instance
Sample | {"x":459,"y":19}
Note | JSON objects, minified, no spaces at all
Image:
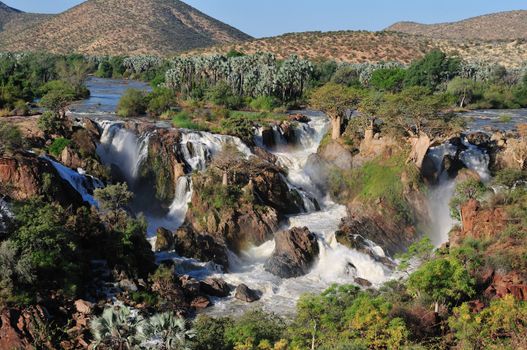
{"x":189,"y":243}
{"x":164,"y":240}
{"x":337,"y":155}
{"x":253,"y":204}
{"x":25,"y":175}
{"x":19,"y":328}
{"x":246,"y":294}
{"x":215,"y":287}
{"x":295,"y":252}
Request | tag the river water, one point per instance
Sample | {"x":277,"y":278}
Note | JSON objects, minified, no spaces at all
{"x":336,"y":263}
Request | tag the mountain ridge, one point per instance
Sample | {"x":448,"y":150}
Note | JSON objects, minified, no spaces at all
{"x":506,"y":25}
{"x":117,"y":27}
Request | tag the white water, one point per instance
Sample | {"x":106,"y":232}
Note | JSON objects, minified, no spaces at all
{"x":5,"y":215}
{"x":80,"y":182}
{"x":122,"y":148}
{"x":336,"y":263}
{"x":440,"y":196}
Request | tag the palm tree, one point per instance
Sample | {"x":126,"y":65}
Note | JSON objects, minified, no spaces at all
{"x":165,"y":331}
{"x":115,"y":329}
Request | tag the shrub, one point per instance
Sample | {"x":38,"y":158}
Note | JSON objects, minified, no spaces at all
{"x":58,"y":146}
{"x":51,"y":123}
{"x":263,"y":104}
{"x":132,"y":104}
{"x":432,"y":70}
{"x":183,"y":120}
{"x":222,"y":95}
{"x":254,"y":327}
{"x":11,"y":138}
{"x":160,"y":101}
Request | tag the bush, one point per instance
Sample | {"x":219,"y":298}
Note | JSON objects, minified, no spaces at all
{"x":51,"y":123}
{"x":254,"y":327}
{"x":222,"y":95}
{"x":160,"y":101}
{"x":263,"y":104}
{"x":58,"y":146}
{"x":132,"y":104}
{"x":11,"y":138}
{"x":183,"y":120}
{"x":432,"y":70}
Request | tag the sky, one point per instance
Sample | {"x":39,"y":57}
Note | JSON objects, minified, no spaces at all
{"x":263,"y":18}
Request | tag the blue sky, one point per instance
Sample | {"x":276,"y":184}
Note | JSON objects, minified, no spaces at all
{"x":261,"y":18}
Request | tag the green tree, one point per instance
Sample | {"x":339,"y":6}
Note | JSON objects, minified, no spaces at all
{"x":114,"y":199}
{"x":133,"y":103}
{"x":335,"y":100}
{"x":388,"y":79}
{"x":433,"y":69}
{"x":255,"y":326}
{"x":445,"y":280}
{"x":10,"y":138}
{"x":465,"y":191}
{"x":462,"y":89}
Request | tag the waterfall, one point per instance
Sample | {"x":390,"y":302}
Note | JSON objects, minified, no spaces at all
{"x":336,"y":263}
{"x":122,"y":148}
{"x":473,"y":158}
{"x":198,"y":148}
{"x":83,"y":184}
{"x":5,"y":216}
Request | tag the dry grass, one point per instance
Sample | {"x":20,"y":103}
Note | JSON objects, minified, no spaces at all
{"x":509,"y":25}
{"x":362,"y":46}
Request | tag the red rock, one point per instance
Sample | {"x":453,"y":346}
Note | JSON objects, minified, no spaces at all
{"x":200,"y":302}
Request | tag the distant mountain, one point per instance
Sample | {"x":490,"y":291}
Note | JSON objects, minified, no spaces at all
{"x":13,"y":19}
{"x":122,"y":27}
{"x":497,"y":26}
{"x":362,"y":46}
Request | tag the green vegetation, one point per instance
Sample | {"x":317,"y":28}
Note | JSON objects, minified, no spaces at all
{"x":133,"y":103}
{"x":11,"y":138}
{"x":58,"y":146}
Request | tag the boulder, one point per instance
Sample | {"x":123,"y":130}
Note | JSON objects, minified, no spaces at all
{"x":83,"y":306}
{"x":337,"y":155}
{"x":362,"y":282}
{"x":164,"y":240}
{"x":300,"y":118}
{"x":268,"y":137}
{"x":200,"y":302}
{"x":215,"y":287}
{"x":480,"y":139}
{"x":19,"y":328}
{"x":246,"y":294}
{"x":189,"y":243}
{"x":295,"y":252}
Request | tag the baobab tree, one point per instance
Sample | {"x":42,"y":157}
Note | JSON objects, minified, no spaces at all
{"x":335,"y":100}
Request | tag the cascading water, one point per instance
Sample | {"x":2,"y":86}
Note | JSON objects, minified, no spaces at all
{"x":83,"y":184}
{"x":473,"y":158}
{"x":336,"y":263}
{"x":5,"y":216}
{"x":122,"y":148}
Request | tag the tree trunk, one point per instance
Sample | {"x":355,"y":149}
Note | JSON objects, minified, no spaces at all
{"x":436,"y":308}
{"x":314,"y":336}
{"x":336,"y":123}
{"x":225,"y":180}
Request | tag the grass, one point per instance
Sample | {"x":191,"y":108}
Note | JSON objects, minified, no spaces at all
{"x":504,"y":118}
{"x":183,"y":120}
{"x":58,"y":146}
{"x":378,"y":179}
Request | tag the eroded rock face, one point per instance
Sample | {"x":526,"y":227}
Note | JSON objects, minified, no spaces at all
{"x":393,"y":236}
{"x":164,"y":240}
{"x":507,"y":284}
{"x":189,"y":243}
{"x":19,"y":328}
{"x":24,"y":176}
{"x":480,"y":223}
{"x":295,"y":252}
{"x":163,"y":166}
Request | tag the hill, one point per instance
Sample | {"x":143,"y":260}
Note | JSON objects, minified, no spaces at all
{"x":363,"y":46}
{"x":118,"y":27}
{"x":13,"y":19}
{"x":497,"y":26}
